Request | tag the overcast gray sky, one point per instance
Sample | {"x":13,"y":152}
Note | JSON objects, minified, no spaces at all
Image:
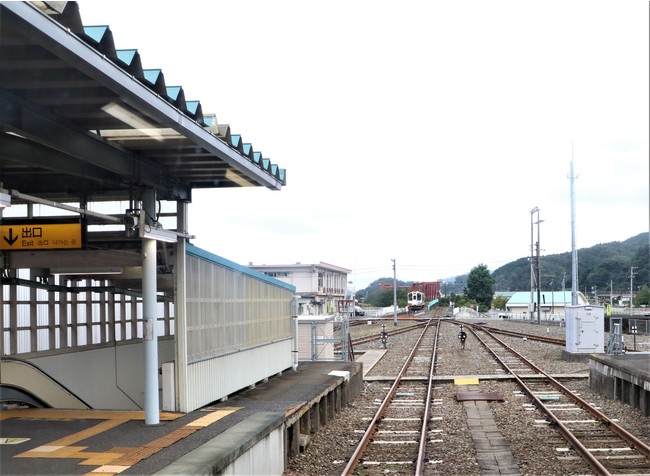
{"x":423,"y":131}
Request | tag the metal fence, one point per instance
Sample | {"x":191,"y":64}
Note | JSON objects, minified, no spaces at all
{"x":60,"y":313}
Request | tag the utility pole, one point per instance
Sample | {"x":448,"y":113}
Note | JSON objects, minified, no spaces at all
{"x":535,"y":259}
{"x":574,"y":251}
{"x":632,"y":273}
{"x":531,"y":308}
{"x":539,"y":274}
{"x":394,"y":292}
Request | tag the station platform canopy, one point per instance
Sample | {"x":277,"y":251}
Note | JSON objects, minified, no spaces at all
{"x":82,"y":121}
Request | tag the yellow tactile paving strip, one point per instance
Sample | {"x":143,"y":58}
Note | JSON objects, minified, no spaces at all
{"x":54,"y":414}
{"x":210,"y":418}
{"x":88,"y":432}
{"x":115,"y":460}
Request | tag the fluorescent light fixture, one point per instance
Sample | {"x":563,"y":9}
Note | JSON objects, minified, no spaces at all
{"x":155,"y":231}
{"x":86,"y":270}
{"x":158,"y":234}
{"x":238,"y":179}
{"x":5,"y":200}
{"x":129,"y":118}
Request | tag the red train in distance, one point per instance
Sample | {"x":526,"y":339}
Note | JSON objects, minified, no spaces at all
{"x":421,"y":294}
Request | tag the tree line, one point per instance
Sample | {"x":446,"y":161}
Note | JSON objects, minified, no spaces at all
{"x":601,"y":268}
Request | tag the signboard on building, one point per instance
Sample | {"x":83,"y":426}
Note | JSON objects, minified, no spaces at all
{"x":27,"y":236}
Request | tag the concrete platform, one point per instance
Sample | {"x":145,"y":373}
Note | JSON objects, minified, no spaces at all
{"x":253,"y":432}
{"x":369,"y":358}
{"x":624,"y":377}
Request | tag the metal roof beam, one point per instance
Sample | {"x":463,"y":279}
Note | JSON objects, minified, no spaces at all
{"x":52,"y":162}
{"x":27,"y":119}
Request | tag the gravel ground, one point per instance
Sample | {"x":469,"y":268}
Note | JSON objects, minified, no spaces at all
{"x":533,"y":446}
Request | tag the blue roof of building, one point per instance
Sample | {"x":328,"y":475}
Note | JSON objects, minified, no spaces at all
{"x":547,"y":297}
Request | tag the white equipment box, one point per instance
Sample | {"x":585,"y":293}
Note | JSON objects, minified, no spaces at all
{"x":585,"y":329}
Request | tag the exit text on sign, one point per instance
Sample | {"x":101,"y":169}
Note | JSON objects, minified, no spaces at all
{"x":33,"y":236}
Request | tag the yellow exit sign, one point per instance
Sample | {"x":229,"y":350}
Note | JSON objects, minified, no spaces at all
{"x":39,"y":237}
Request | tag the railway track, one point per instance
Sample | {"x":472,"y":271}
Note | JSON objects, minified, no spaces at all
{"x":455,"y":447}
{"x":358,"y":328}
{"x":537,"y":337}
{"x":594,"y":443}
{"x":402,"y":420}
{"x":591,"y":436}
{"x":365,"y":335}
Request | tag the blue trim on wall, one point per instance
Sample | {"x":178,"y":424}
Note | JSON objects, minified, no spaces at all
{"x":201,"y":253}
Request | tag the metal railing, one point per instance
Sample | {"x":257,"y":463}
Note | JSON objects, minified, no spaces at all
{"x":61,"y":314}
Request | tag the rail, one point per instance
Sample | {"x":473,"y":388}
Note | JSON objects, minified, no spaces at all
{"x":574,"y":442}
{"x":422,"y":448}
{"x":376,"y":336}
{"x":379,"y":415}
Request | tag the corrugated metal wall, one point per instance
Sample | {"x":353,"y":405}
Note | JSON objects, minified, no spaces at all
{"x":213,"y":379}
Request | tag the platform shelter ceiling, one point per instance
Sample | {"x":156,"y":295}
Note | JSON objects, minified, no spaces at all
{"x":82,"y":121}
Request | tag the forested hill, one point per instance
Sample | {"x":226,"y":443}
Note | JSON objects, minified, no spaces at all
{"x":600,"y":266}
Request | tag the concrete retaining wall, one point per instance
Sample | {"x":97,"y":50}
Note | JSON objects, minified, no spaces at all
{"x":308,"y":419}
{"x":254,"y":446}
{"x":625,"y":378}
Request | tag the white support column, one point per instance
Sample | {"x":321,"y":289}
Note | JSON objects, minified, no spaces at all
{"x":149,"y":292}
{"x":180,"y":312}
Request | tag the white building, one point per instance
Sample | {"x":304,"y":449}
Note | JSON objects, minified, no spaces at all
{"x":319,"y":286}
{"x":553,"y":304}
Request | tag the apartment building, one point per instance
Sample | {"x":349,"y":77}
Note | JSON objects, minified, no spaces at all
{"x":318,"y":286}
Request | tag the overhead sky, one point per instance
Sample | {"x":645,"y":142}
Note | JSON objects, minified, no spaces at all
{"x":419,"y":131}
